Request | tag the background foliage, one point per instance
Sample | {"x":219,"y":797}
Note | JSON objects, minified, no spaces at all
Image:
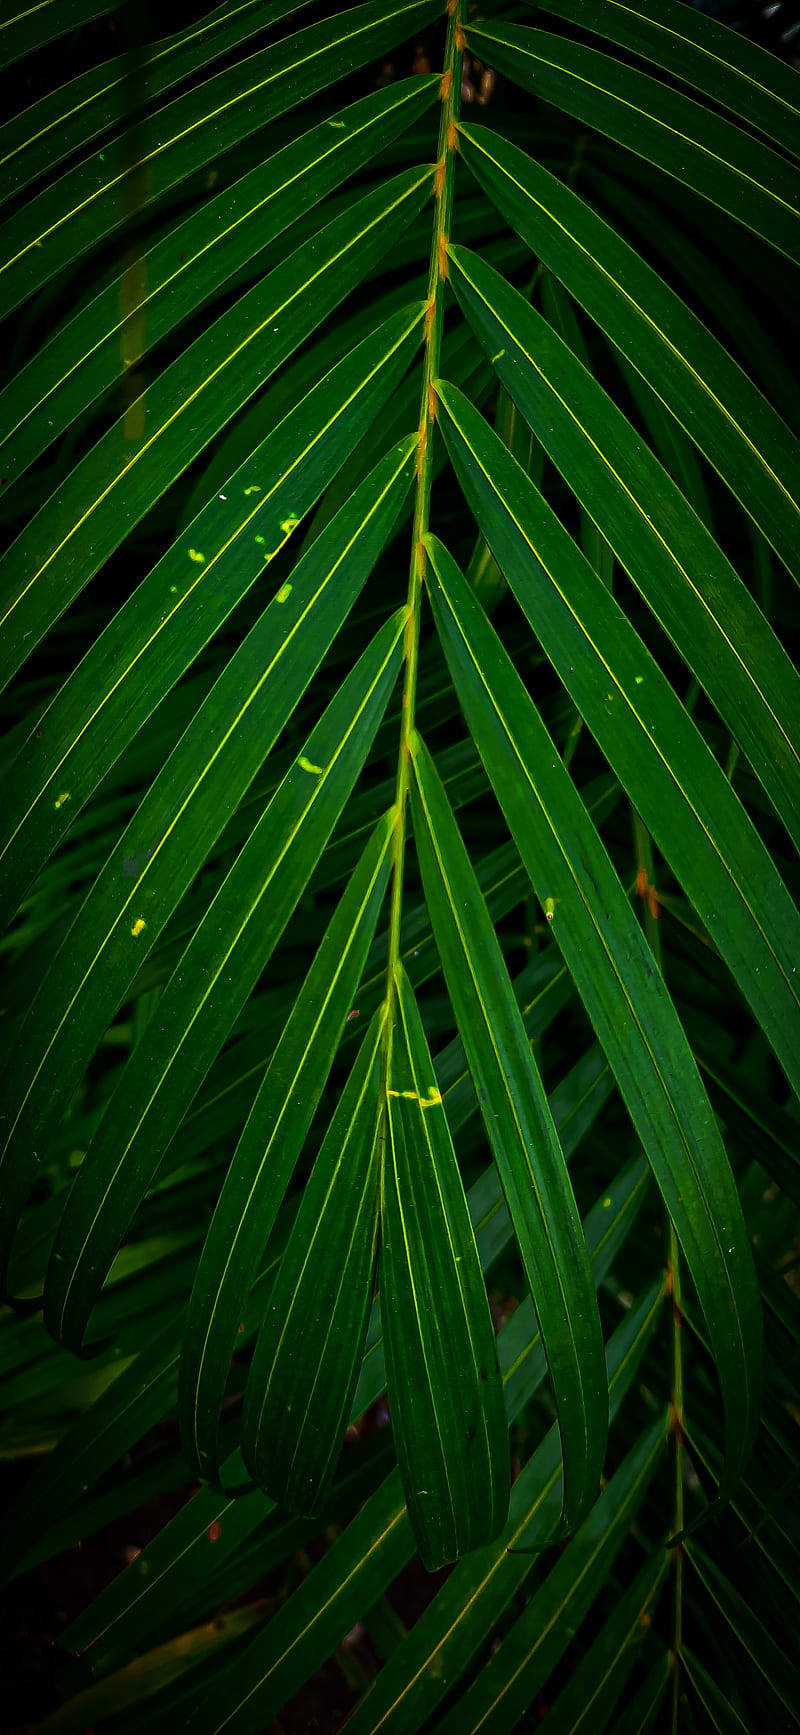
{"x":400,"y":805}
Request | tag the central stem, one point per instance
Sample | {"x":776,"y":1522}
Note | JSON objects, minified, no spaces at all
{"x":443,"y":193}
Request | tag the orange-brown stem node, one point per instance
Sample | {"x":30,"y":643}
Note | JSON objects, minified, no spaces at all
{"x":677,"y":1314}
{"x":653,"y":904}
{"x":430,"y":315}
{"x":460,"y":39}
{"x":452,"y":136}
{"x":432,"y":401}
{"x":447,"y":84}
{"x":443,"y":240}
{"x":438,"y":179}
{"x":641,"y":882}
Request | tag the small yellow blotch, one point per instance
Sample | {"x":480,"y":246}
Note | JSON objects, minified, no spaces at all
{"x":258,"y":539}
{"x":430,"y":1101}
{"x":284,"y":593}
{"x":253,"y":489}
{"x":138,"y":928}
{"x":496,"y":357}
{"x":289,"y":524}
{"x":638,"y":679}
{"x":198,"y":558}
{"x":606,"y":1203}
{"x":550,"y":907}
{"x":336,"y":123}
{"x":306,"y":765}
{"x":61,"y":799}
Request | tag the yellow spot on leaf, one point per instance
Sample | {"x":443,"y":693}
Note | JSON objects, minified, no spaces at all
{"x":639,"y":679}
{"x":550,"y":907}
{"x":253,"y":489}
{"x":336,"y":123}
{"x":497,"y":356}
{"x":606,"y":1202}
{"x":61,"y":799}
{"x":430,"y":1101}
{"x":289,"y":524}
{"x":138,"y":928}
{"x":284,"y":593}
{"x":198,"y":558}
{"x":307,"y":765}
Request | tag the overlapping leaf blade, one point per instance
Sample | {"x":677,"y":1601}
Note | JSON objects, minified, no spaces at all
{"x":537,"y":1640}
{"x":649,"y":739}
{"x":177,"y":608}
{"x":621,"y":988}
{"x":731,"y":421}
{"x":729,"y":167}
{"x":304,"y":1371}
{"x":63,"y":120}
{"x":189,"y":266}
{"x":81,"y":525}
{"x":444,"y":1388}
{"x":77,"y":210}
{"x":168,"y":839}
{"x":521,"y":1134}
{"x":680,"y":571}
{"x":214,"y":977}
{"x":724,"y":64}
{"x":268,"y":1149}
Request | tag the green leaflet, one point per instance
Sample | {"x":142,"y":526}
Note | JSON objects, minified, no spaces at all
{"x":50,"y":129}
{"x":81,"y":207}
{"x":517,"y":1670}
{"x":304,"y":1371}
{"x":168,"y":839}
{"x":214,"y":977}
{"x":617,"y":978}
{"x":444,"y":1390}
{"x":191,"y":265}
{"x":727,"y":166}
{"x":679,"y":570}
{"x":709,"y":56}
{"x":683,"y":795}
{"x":30,"y":28}
{"x":268,"y":1148}
{"x":181,"y":603}
{"x":521,"y":1134}
{"x":379,"y":1541}
{"x":732,"y":422}
{"x":463,"y":1613}
{"x":83,"y":523}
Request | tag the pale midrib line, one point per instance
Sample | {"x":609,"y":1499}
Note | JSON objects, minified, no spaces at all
{"x":618,"y":287}
{"x":206,"y":119}
{"x":702,"y":150}
{"x":508,"y":1094}
{"x":206,"y":383}
{"x":639,"y":720}
{"x":338,"y":972}
{"x":352,"y":1134}
{"x":165,"y":283}
{"x":644,"y":521}
{"x":542,"y":1632}
{"x":206,"y":770}
{"x":633,"y":1005}
{"x":201,"y":1003}
{"x":208,"y":569}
